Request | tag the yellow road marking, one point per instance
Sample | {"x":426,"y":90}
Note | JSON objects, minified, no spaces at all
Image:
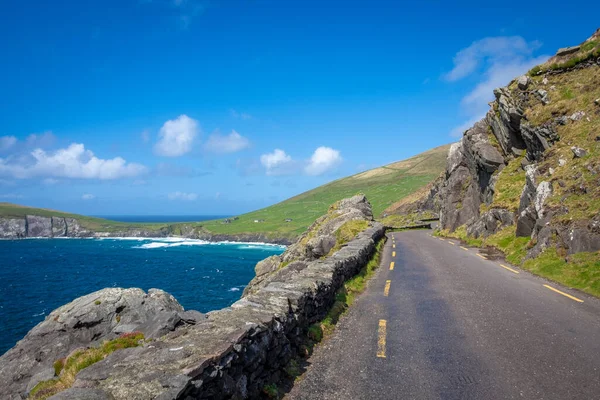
{"x":510,"y":269}
{"x":394,"y":246}
{"x":482,"y":256}
{"x":464,"y":248}
{"x":386,"y":289}
{"x":564,"y":294}
{"x":393,"y":254}
{"x":451,"y":243}
{"x":392,"y":266}
{"x":381,"y":338}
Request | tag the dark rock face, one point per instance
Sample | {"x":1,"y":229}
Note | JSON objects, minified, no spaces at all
{"x":86,"y":321}
{"x":59,"y":227}
{"x":490,"y":223}
{"x":38,"y":226}
{"x":230,"y":353}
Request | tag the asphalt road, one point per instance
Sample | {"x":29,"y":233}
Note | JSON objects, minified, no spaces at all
{"x":455,"y":325}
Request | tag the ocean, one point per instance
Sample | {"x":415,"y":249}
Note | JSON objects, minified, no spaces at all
{"x":161,"y":218}
{"x":39,"y":275}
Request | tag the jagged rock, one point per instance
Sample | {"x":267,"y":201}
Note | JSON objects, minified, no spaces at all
{"x":455,"y":157}
{"x":577,"y":116}
{"x":545,"y":81}
{"x":543,"y":95}
{"x":523,"y":82}
{"x":85,"y":321}
{"x":578,"y":152}
{"x":565,"y":51}
{"x":490,"y":222}
{"x":38,"y":226}
{"x":551,"y":171}
{"x":578,"y":239}
{"x":526,"y":222}
{"x":460,"y":199}
{"x":543,"y":191}
{"x":506,"y":122}
{"x":59,"y":227}
{"x":562,"y":162}
{"x":486,"y":156}
{"x":538,"y":139}
{"x":12,"y":228}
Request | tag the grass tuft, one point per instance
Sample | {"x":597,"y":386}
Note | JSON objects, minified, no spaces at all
{"x":67,"y":370}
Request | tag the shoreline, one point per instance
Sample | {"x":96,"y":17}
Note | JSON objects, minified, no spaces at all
{"x":164,"y":239}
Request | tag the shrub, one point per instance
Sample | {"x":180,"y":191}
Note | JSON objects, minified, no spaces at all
{"x":271,"y":391}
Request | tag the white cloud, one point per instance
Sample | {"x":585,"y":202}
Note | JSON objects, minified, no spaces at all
{"x":496,"y":61}
{"x":7,"y":142}
{"x":182,"y":196}
{"x":88,"y":196}
{"x":231,"y":143}
{"x":277,"y":162}
{"x":71,"y":162}
{"x":176,"y":137}
{"x":324,"y":159}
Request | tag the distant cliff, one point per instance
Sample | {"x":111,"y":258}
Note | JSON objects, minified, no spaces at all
{"x":36,"y":226}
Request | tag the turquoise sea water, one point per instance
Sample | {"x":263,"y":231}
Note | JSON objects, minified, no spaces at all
{"x":39,"y":275}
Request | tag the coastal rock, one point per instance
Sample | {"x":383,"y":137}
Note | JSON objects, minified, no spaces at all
{"x":12,"y":228}
{"x":84,"y":322}
{"x":565,"y":51}
{"x":59,"y":227}
{"x":38,"y":226}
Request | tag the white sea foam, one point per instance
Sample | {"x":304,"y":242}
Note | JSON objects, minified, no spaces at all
{"x":234,"y":289}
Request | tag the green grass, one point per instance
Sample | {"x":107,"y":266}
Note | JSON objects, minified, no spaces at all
{"x":580,"y":271}
{"x":383,"y":187}
{"x":67,"y":370}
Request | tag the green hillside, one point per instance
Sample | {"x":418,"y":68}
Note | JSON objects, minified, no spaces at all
{"x":383,"y":187}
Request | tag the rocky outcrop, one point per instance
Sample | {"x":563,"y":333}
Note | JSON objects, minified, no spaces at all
{"x":314,"y":244}
{"x":87,"y":321}
{"x":229,"y":353}
{"x":505,"y":134}
{"x":38,"y":226}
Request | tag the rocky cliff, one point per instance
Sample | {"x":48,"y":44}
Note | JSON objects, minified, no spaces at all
{"x":35,"y":226}
{"x":229,"y":353}
{"x":526,"y":178}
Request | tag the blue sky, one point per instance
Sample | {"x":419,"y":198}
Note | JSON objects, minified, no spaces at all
{"x":221,"y":107}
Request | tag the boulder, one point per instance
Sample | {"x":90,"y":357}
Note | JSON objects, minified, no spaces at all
{"x":84,"y":322}
{"x":577,"y":116}
{"x":38,"y":226}
{"x":578,"y":152}
{"x":538,"y":139}
{"x":82,"y":394}
{"x":565,"y":51}
{"x":523,"y":82}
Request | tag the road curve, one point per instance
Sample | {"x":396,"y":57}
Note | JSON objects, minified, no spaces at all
{"x":443,"y":322}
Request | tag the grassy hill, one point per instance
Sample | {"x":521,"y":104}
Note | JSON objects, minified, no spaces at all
{"x":383,"y":186}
